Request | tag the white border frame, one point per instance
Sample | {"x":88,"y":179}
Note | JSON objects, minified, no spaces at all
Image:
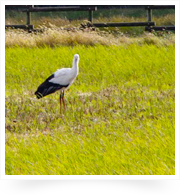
{"x":91,"y":177}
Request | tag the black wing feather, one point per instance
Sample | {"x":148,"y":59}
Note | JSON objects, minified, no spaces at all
{"x":47,"y":88}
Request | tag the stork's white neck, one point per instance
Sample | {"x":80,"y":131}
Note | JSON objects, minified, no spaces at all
{"x":75,"y":63}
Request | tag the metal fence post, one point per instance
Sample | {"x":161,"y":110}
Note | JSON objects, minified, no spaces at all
{"x":90,"y":16}
{"x":28,"y":18}
{"x":149,"y":17}
{"x":149,"y":14}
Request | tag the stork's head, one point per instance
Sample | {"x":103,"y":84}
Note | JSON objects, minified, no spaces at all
{"x":76,"y":58}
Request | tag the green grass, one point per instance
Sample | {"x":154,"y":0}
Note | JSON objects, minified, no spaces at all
{"x":119,"y":118}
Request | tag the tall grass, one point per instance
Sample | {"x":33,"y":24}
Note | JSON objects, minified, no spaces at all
{"x":57,"y":37}
{"x":74,"y":18}
{"x":119,"y":118}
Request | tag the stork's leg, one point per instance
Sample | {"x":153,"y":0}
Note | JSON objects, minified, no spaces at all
{"x":60,"y":98}
{"x":63,"y":100}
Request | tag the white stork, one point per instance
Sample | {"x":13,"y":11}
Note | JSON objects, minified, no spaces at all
{"x":60,"y":80}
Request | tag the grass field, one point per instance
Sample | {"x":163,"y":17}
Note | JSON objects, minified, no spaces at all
{"x":120,"y":116}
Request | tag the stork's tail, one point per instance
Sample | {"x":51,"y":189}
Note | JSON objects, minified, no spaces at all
{"x":38,"y":94}
{"x":47,"y":88}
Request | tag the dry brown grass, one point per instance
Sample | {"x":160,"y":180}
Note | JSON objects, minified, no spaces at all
{"x":56,"y":37}
{"x":53,"y":37}
{"x":57,"y":31}
{"x":168,"y":19}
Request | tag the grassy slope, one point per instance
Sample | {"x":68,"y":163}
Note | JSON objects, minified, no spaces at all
{"x":119,"y":119}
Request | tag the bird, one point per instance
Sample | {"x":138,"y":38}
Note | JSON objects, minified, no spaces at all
{"x":59,"y":80}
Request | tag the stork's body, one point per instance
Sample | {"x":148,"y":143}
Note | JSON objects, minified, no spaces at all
{"x":60,"y":80}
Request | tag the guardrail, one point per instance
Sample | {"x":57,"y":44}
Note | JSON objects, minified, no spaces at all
{"x":149,"y":24}
{"x":30,"y":8}
{"x":149,"y":9}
